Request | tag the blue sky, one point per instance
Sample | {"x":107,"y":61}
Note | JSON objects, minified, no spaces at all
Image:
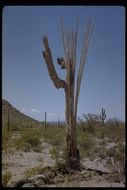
{"x":25,"y":81}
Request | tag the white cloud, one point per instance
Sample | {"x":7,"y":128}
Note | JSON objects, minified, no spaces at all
{"x":35,"y":110}
{"x":23,"y":110}
{"x":50,"y":114}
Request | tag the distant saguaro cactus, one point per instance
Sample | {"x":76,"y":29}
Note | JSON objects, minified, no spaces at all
{"x":58,"y":123}
{"x":69,"y":64}
{"x":8,"y":121}
{"x":45,"y":121}
{"x":102,"y":118}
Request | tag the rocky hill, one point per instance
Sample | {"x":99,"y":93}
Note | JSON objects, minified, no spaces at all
{"x":16,"y":117}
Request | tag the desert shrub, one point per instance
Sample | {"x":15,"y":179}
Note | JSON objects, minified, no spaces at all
{"x":114,"y":130}
{"x":24,"y":146}
{"x":54,"y":135}
{"x":4,"y":132}
{"x":58,"y":153}
{"x":5,"y":138}
{"x":7,"y":141}
{"x":114,"y":158}
{"x":90,"y":123}
{"x":5,"y":178}
{"x":30,"y":138}
{"x":15,"y":127}
{"x":87,"y":144}
{"x":55,"y":153}
{"x":37,"y":148}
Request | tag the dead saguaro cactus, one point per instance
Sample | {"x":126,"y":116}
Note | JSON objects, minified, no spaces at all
{"x":71,"y":97}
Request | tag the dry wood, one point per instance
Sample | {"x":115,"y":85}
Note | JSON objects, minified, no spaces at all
{"x":69,"y":44}
{"x":84,"y":53}
{"x":50,"y":66}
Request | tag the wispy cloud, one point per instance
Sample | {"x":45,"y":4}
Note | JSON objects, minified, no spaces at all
{"x":34,"y":110}
{"x":51,"y":114}
{"x":23,"y":110}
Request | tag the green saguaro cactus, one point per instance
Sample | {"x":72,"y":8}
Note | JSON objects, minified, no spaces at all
{"x":102,"y":118}
{"x":45,"y":120}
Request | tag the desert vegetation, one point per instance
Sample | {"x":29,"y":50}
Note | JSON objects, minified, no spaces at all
{"x":108,"y":149}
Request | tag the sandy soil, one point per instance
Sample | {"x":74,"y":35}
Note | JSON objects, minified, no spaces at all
{"x":17,"y":163}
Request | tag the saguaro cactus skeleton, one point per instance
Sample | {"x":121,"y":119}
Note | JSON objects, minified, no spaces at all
{"x":71,"y":99}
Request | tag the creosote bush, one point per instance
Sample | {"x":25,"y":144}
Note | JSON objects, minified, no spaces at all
{"x":115,"y":158}
{"x":114,"y":130}
{"x":30,"y":139}
{"x":87,"y":144}
{"x":90,"y":123}
{"x":58,"y":153}
{"x":54,"y":135}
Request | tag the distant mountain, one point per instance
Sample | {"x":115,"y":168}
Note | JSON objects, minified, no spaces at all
{"x":16,"y":117}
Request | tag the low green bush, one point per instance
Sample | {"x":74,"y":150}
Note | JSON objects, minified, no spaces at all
{"x":5,"y":178}
{"x":114,"y":157}
{"x":29,"y":139}
{"x":54,"y":135}
{"x":114,"y":130}
{"x":87,"y":145}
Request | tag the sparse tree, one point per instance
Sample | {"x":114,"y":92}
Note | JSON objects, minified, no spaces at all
{"x":71,"y":99}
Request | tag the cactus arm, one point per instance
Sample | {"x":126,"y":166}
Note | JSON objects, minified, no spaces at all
{"x":103,"y":116}
{"x":58,"y":83}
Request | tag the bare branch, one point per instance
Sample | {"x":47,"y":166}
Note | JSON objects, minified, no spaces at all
{"x":58,"y":83}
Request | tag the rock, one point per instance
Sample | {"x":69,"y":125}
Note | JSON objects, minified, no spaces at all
{"x":28,"y":185}
{"x":38,"y":180}
{"x":17,"y":181}
{"x":51,"y":185}
{"x":58,"y":180}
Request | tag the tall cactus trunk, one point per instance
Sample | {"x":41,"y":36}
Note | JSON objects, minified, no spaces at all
{"x":69,"y":43}
{"x":103,"y":117}
{"x":72,"y":152}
